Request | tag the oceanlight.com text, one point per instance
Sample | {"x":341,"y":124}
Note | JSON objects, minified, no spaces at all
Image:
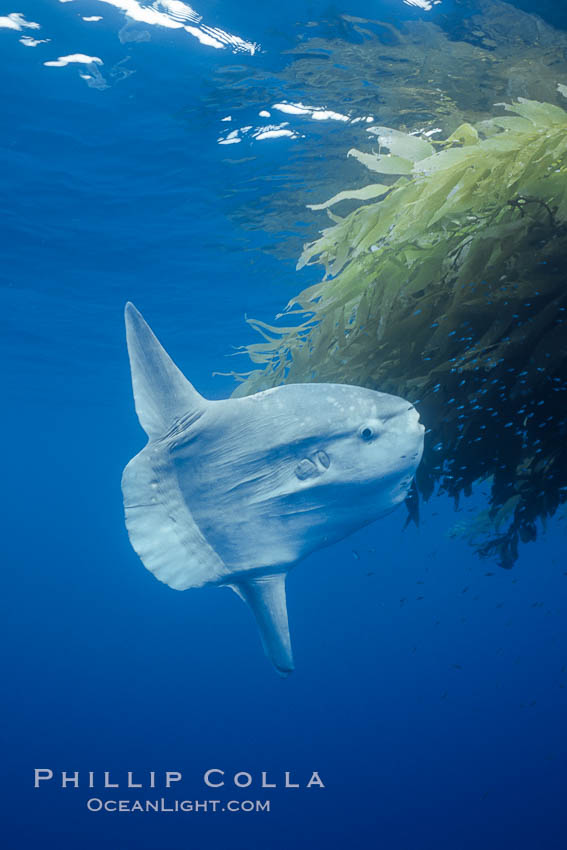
{"x":95,"y":804}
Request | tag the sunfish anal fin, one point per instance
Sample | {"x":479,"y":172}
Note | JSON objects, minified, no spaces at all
{"x":266,"y":597}
{"x":162,"y":393}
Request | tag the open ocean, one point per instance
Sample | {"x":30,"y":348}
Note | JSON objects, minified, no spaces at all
{"x":430,"y":690}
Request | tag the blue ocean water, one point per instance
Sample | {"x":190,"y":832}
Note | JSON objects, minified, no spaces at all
{"x":430,"y":691}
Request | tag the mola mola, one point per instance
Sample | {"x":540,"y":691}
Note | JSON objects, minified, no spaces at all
{"x":235,"y":492}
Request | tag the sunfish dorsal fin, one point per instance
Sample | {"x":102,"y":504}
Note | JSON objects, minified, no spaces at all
{"x":266,"y":597}
{"x":162,"y":393}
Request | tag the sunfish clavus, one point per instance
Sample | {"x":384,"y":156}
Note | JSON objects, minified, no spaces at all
{"x":235,"y":492}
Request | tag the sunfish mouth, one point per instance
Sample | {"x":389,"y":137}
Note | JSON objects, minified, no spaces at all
{"x":408,"y":420}
{"x":408,"y":424}
{"x":413,"y":415}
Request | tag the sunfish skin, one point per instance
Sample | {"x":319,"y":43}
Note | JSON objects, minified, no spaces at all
{"x":235,"y":492}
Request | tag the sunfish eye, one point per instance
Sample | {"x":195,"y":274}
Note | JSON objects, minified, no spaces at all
{"x":366,"y":433}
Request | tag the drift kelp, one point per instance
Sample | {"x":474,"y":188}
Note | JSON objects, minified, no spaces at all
{"x":450,"y":290}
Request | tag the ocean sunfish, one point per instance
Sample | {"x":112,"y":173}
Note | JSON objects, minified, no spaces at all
{"x":235,"y":492}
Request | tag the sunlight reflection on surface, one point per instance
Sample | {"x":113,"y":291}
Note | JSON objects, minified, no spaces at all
{"x":16,"y":21}
{"x":427,"y":5}
{"x":175,"y":14}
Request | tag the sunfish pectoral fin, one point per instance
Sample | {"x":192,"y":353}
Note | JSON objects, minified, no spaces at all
{"x":162,"y":393}
{"x":266,"y":597}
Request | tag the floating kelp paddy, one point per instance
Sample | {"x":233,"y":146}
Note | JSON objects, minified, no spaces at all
{"x":449,"y":288}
